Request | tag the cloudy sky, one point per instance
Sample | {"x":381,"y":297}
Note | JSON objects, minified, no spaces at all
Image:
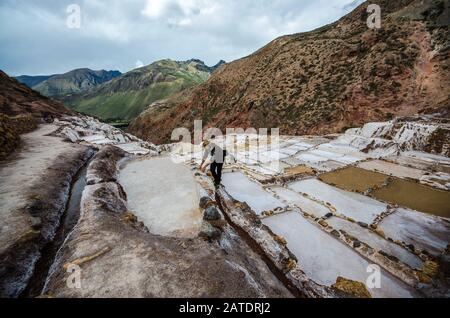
{"x":35,"y":37}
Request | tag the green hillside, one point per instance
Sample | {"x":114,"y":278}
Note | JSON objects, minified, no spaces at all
{"x":125,"y":97}
{"x":73,"y":82}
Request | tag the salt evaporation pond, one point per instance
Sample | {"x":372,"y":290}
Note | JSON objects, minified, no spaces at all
{"x":421,"y":230}
{"x":163,"y":195}
{"x":416,"y":196}
{"x":352,"y":205}
{"x":306,"y":205}
{"x":242,"y":189}
{"x":376,"y":242}
{"x":324,"y":259}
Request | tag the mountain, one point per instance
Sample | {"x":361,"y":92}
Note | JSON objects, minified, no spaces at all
{"x":75,"y":81}
{"x":31,"y":81}
{"x":338,"y":76}
{"x":18,"y":99}
{"x":126,"y":96}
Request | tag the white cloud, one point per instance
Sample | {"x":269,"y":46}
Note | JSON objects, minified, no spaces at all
{"x":114,"y":33}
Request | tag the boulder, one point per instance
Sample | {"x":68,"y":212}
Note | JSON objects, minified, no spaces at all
{"x":211,"y":214}
{"x":209,"y":232}
{"x":205,"y":201}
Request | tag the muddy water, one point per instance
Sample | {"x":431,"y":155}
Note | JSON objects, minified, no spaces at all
{"x":354,"y":179}
{"x":416,"y":196}
{"x":299,"y":170}
{"x":68,"y":222}
{"x":405,"y":193}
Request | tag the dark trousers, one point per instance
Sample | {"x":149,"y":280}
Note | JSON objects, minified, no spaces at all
{"x":216,"y":171}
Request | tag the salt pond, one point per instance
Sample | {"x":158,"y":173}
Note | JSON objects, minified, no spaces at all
{"x":352,"y":205}
{"x":325,"y":259}
{"x":421,"y":230}
{"x":163,"y":195}
{"x":242,"y":189}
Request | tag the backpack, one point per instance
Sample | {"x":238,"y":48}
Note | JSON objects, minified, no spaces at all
{"x":213,"y":152}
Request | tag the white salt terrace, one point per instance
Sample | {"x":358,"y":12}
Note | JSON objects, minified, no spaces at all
{"x":324,"y":259}
{"x":424,"y":231}
{"x":392,"y":169}
{"x":376,"y":242}
{"x":321,"y":256}
{"x":163,"y":195}
{"x":244,"y":190}
{"x":352,"y":205}
{"x":309,"y":206}
{"x":90,"y":131}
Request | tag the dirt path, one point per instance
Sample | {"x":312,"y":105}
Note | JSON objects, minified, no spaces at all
{"x":33,"y":187}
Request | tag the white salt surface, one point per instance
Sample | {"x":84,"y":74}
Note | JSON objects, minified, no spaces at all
{"x":422,"y":230}
{"x":324,"y":259}
{"x":391,"y":169}
{"x":134,"y":148}
{"x":242,"y":189}
{"x":376,"y":242}
{"x":427,"y":157}
{"x":307,"y":205}
{"x":353,"y":205}
{"x":163,"y":195}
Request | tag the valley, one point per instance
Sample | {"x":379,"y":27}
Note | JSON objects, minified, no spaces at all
{"x":344,"y":192}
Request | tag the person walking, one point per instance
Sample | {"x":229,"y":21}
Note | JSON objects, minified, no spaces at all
{"x":217,"y":155}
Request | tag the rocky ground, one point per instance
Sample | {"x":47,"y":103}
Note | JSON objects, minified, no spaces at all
{"x":34,"y":185}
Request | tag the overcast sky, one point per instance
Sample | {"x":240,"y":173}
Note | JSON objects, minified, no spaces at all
{"x":120,"y":35}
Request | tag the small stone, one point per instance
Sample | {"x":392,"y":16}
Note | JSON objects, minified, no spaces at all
{"x":36,"y":207}
{"x":212,"y":214}
{"x":364,"y":225}
{"x":380,"y":233}
{"x":423,"y":278}
{"x":209,"y":232}
{"x":204,"y":202}
{"x":36,"y":223}
{"x":327,"y":216}
{"x":130,"y":218}
{"x":280,"y":240}
{"x":357,"y":244}
{"x":335,"y":234}
{"x":291,"y":264}
{"x":390,"y":257}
